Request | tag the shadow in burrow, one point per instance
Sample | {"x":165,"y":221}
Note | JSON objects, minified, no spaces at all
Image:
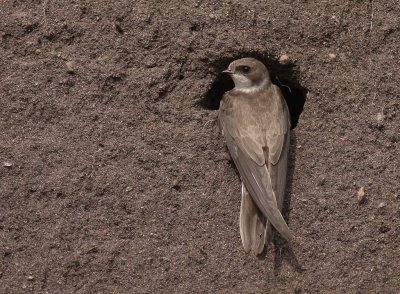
{"x":286,"y":77}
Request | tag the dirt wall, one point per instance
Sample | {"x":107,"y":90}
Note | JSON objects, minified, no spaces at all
{"x":113,"y":173}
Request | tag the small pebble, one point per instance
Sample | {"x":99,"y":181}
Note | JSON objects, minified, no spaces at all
{"x":381,"y":205}
{"x":361,"y":195}
{"x":284,"y":59}
{"x":332,"y":56}
{"x":30,"y":277}
{"x":380,"y":117}
{"x":336,"y":19}
{"x":175,"y":185}
{"x":7,"y":164}
{"x":70,"y":67}
{"x":227,"y":156}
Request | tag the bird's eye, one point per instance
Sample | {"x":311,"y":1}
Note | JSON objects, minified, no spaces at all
{"x":243,"y":69}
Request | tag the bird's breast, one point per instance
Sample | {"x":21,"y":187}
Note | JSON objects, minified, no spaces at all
{"x":257,"y":114}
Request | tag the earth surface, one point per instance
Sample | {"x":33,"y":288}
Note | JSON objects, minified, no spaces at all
{"x":114,"y":177}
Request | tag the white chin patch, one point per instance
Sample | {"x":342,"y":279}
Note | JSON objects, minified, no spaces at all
{"x":241,"y":81}
{"x":244,"y":85}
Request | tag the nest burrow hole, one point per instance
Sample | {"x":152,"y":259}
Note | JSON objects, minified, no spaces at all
{"x":283,"y":75}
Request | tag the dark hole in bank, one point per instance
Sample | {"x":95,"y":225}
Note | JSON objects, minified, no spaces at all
{"x":283,"y":75}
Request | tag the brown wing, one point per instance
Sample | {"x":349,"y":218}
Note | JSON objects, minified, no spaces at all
{"x":250,"y":162}
{"x":276,"y":134}
{"x":278,"y":147}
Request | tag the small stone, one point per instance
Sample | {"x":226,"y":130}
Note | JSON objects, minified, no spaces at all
{"x":361,"y":195}
{"x":30,"y":278}
{"x":70,"y":67}
{"x":336,"y":19}
{"x":128,"y":189}
{"x":284,"y":59}
{"x":63,"y":81}
{"x":175,"y":185}
{"x":332,"y":56}
{"x":381,"y":205}
{"x":7,"y":164}
{"x":380,"y":117}
{"x":227,"y":157}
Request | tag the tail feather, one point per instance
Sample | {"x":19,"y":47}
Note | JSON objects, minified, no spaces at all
{"x":252,"y":225}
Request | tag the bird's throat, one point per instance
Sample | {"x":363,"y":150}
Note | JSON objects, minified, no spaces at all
{"x":250,"y":88}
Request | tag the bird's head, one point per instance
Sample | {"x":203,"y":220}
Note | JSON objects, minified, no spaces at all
{"x":248,"y":74}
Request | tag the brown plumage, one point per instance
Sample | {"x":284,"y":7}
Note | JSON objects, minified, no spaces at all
{"x":254,"y":119}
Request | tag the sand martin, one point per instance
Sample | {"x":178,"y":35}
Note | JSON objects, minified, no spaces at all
{"x":255,"y":123}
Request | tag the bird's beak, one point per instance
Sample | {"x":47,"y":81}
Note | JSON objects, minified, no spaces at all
{"x":227,"y":71}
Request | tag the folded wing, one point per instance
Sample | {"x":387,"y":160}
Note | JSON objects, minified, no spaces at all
{"x":250,"y":161}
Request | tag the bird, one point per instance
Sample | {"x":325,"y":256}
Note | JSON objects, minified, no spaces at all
{"x":255,"y":122}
